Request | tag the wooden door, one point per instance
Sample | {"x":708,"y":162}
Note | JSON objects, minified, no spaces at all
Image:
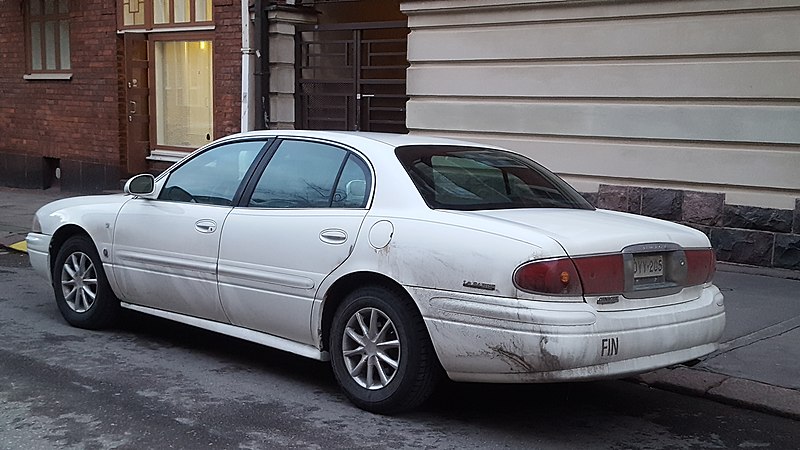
{"x":137,"y":104}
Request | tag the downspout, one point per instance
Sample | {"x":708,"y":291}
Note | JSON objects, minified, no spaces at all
{"x":247,"y":69}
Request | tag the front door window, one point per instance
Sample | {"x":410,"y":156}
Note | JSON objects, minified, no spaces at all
{"x":183,"y":97}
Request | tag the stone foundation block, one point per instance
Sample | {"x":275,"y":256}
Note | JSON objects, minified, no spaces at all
{"x":753,"y":218}
{"x":703,"y":208}
{"x":664,"y":204}
{"x":619,"y":198}
{"x":787,"y":251}
{"x":743,"y":246}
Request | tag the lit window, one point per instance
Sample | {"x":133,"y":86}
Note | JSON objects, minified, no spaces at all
{"x":149,"y":13}
{"x":184,"y":100}
{"x":47,"y":23}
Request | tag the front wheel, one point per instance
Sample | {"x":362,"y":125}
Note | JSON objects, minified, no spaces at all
{"x":82,"y":292}
{"x":381,"y":354}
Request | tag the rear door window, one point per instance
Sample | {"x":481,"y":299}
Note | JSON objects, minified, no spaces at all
{"x":304,"y":174}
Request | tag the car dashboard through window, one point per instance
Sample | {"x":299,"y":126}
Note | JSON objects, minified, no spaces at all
{"x":468,"y":178}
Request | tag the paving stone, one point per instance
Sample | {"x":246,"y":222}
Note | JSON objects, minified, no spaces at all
{"x":759,"y":396}
{"x":796,"y":219}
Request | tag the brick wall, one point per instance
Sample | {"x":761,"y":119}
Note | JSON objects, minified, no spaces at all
{"x":74,"y":121}
{"x":227,"y":67}
{"x":740,"y":234}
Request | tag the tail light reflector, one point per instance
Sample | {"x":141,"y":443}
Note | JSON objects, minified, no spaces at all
{"x":701,"y":265}
{"x":601,"y":274}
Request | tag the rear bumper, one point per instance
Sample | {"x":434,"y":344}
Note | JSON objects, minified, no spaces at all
{"x":490,"y":339}
{"x":39,"y":253}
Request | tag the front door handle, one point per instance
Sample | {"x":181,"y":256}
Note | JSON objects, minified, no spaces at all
{"x":333,"y":236}
{"x":205,"y":226}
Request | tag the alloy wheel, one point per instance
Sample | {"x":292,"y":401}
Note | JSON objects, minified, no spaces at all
{"x":371,"y":348}
{"x":79,"y":282}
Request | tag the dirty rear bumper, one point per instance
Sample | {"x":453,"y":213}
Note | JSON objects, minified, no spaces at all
{"x":491,"y":339}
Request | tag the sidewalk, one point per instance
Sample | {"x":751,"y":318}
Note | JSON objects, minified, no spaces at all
{"x":757,"y":365}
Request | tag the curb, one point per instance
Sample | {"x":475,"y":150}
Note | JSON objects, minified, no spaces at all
{"x":15,"y":243}
{"x":734,"y":391}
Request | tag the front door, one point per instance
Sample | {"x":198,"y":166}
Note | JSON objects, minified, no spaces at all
{"x":165,"y":249}
{"x":137,"y":105}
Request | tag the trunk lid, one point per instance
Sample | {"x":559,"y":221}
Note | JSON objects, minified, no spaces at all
{"x":641,"y":240}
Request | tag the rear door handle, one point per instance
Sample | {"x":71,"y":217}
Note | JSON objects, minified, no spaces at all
{"x":333,"y":236}
{"x":205,"y":226}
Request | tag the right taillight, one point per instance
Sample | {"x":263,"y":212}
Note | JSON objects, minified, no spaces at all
{"x":701,"y":266}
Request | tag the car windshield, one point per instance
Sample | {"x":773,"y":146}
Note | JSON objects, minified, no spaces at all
{"x":469,"y":178}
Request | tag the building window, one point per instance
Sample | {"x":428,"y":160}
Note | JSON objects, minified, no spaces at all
{"x":47,"y":29}
{"x":183,"y":93}
{"x":159,"y":13}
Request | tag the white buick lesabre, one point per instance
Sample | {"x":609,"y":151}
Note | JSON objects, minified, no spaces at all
{"x":398,"y":258}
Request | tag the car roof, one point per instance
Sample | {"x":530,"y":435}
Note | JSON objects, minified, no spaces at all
{"x":356,"y":137}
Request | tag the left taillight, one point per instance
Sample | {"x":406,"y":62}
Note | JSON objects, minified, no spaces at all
{"x":701,"y":266}
{"x":553,"y":277}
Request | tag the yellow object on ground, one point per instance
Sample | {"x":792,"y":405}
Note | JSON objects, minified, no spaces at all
{"x":20,"y":246}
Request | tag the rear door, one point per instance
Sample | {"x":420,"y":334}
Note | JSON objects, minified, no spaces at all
{"x":298,"y":221}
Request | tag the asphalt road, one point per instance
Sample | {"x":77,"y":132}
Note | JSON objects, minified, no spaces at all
{"x":154,"y":384}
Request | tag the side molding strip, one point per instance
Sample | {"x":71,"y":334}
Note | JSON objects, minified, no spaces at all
{"x":230,"y":330}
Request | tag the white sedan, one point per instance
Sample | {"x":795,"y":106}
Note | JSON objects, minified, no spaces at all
{"x":398,"y":258}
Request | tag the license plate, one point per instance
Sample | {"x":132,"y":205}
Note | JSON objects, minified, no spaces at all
{"x":648,"y":266}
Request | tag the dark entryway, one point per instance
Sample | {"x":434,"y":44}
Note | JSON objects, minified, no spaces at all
{"x":352,"y":76}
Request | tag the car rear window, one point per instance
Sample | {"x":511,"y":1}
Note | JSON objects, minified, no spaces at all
{"x":471,"y":178}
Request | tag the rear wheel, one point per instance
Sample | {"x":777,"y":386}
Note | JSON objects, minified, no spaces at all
{"x":82,"y":292}
{"x":381,"y":354}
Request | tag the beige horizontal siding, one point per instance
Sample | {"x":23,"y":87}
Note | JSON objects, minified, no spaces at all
{"x":657,"y":36}
{"x":752,"y":79}
{"x":737,"y":123}
{"x":683,"y":94}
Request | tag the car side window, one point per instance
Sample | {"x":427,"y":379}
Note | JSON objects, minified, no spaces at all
{"x":212,"y":177}
{"x":303,"y":174}
{"x":353,"y":186}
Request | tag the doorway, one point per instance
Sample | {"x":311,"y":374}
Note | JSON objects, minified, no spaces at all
{"x":352,"y":76}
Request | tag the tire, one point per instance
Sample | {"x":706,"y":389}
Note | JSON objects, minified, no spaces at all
{"x":401,"y":339}
{"x":83,"y":294}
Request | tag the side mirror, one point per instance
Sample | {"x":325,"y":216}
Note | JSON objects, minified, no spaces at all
{"x":141,"y":185}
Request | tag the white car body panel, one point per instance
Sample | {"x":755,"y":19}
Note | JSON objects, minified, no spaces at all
{"x":96,"y":215}
{"x":273,"y":273}
{"x":174,"y":266}
{"x":271,"y":262}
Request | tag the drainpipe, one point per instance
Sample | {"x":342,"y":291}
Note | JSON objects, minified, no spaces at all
{"x":247,"y":70}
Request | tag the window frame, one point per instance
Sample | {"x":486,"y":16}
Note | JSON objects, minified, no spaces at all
{"x":152,"y":39}
{"x":149,"y":17}
{"x":58,"y":17}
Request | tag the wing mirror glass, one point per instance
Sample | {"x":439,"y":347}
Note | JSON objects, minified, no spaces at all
{"x":140,"y":185}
